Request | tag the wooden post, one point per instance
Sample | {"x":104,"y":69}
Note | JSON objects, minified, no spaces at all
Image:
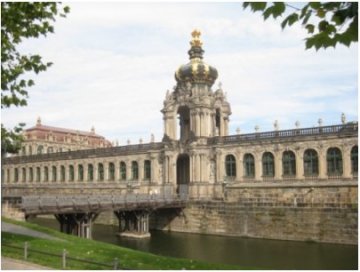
{"x":116,"y":263}
{"x":64,"y":259}
{"x":25,"y":250}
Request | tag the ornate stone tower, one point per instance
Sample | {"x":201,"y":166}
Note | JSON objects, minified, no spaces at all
{"x":193,"y":110}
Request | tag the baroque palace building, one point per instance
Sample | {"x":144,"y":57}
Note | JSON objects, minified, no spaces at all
{"x":195,"y":151}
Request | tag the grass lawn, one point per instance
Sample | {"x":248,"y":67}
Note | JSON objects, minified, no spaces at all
{"x":93,"y":251}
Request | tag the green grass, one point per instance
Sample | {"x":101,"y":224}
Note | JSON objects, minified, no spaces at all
{"x":94,"y":251}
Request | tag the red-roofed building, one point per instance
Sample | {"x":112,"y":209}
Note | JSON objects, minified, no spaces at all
{"x":47,"y":139}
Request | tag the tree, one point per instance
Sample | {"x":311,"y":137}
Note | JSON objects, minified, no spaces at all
{"x":22,"y":20}
{"x":327,"y":23}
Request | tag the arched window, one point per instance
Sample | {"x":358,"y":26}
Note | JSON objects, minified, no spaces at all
{"x":100,"y":172}
{"x":90,"y":172}
{"x":54,"y":174}
{"x":311,"y":163}
{"x":62,"y":173}
{"x":111,"y":171}
{"x":46,"y":173}
{"x":268,"y":164}
{"x":134,"y":170}
{"x":249,"y":166}
{"x":289,"y":164}
{"x":334,"y":162}
{"x":24,"y":175}
{"x":71,"y":173}
{"x":147,"y":170}
{"x":80,"y":172}
{"x":354,"y":160}
{"x":40,"y":149}
{"x":230,"y":166}
{"x":38,"y":174}
{"x":16,"y":175}
{"x":31,"y":174}
{"x":122,"y":171}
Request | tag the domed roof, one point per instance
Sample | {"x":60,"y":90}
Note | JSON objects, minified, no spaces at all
{"x":196,"y":71}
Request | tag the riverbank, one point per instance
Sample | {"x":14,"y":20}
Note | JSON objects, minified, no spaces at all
{"x":78,"y":248}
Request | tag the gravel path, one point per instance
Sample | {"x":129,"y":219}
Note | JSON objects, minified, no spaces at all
{"x":12,"y":264}
{"x":8,"y":227}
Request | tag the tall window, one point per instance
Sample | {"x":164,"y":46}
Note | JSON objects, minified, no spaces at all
{"x":80,"y":172}
{"x":54,"y":173}
{"x":71,"y":173}
{"x":111,"y":171}
{"x":268,"y":164}
{"x":24,"y":174}
{"x":62,"y":173}
{"x":46,"y":173}
{"x":249,"y":166}
{"x":31,"y":174}
{"x":354,"y":160}
{"x":311,"y":163}
{"x":100,"y":172}
{"x":289,"y":163}
{"x":134,"y":170}
{"x":122,"y":171}
{"x":90,"y":172}
{"x":334,"y":162}
{"x":40,"y":149}
{"x":230,"y":166}
{"x":147,"y":169}
{"x":38,"y":174}
{"x":16,"y":175}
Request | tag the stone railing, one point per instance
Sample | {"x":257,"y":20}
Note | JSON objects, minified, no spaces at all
{"x":87,"y":153}
{"x":349,"y":129}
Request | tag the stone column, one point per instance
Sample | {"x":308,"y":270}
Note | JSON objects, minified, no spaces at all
{"x":106,"y":171}
{"x":300,"y":175}
{"x":322,"y":164}
{"x":58,"y":174}
{"x":219,"y":167}
{"x":197,"y":118}
{"x":76,"y":172}
{"x":258,"y":166}
{"x":141,"y":170}
{"x":239,"y":167}
{"x":128,"y":170}
{"x":346,"y":160}
{"x":278,"y":165}
{"x":96,"y":171}
{"x":117,"y":170}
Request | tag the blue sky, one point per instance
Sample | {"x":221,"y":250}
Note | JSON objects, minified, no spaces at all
{"x":114,"y":62}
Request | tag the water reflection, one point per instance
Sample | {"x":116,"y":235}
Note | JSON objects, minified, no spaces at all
{"x":260,"y":253}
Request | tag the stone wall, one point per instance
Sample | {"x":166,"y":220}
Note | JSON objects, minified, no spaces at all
{"x":326,"y":213}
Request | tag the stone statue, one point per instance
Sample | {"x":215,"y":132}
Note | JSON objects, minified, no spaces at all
{"x":276,"y":125}
{"x":320,"y":122}
{"x":257,"y":128}
{"x":297,"y":124}
{"x":343,"y":118}
{"x":152,"y":138}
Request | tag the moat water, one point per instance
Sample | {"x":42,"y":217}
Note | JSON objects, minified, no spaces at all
{"x":258,"y":253}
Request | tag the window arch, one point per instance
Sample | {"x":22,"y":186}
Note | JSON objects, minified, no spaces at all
{"x":16,"y":175}
{"x":122,"y":170}
{"x":40,"y":149}
{"x":54,"y":174}
{"x":100,"y":171}
{"x":134,"y":170}
{"x":334,"y":162}
{"x":71,"y":173}
{"x":24,"y":174}
{"x":230,"y":166}
{"x":62,"y":173}
{"x":80,"y":172}
{"x":147,"y":169}
{"x":354,"y":160}
{"x":90,"y":172}
{"x":31,"y":174}
{"x":38,"y":174}
{"x":311,"y":163}
{"x":268,"y":164}
{"x":289,"y":164}
{"x":46,"y":173}
{"x":111,"y":171}
{"x":249,"y":166}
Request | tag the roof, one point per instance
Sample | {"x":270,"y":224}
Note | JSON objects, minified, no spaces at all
{"x":63,"y":130}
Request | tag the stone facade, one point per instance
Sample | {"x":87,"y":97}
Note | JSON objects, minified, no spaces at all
{"x":258,"y":184}
{"x":42,"y":139}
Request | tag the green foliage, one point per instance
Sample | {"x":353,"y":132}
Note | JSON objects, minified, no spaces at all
{"x":332,"y":22}
{"x":11,"y":139}
{"x":19,"y":21}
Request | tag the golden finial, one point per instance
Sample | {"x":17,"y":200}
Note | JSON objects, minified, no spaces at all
{"x":196,"y":38}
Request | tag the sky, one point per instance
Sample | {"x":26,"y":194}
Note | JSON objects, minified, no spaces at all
{"x":114,"y":62}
